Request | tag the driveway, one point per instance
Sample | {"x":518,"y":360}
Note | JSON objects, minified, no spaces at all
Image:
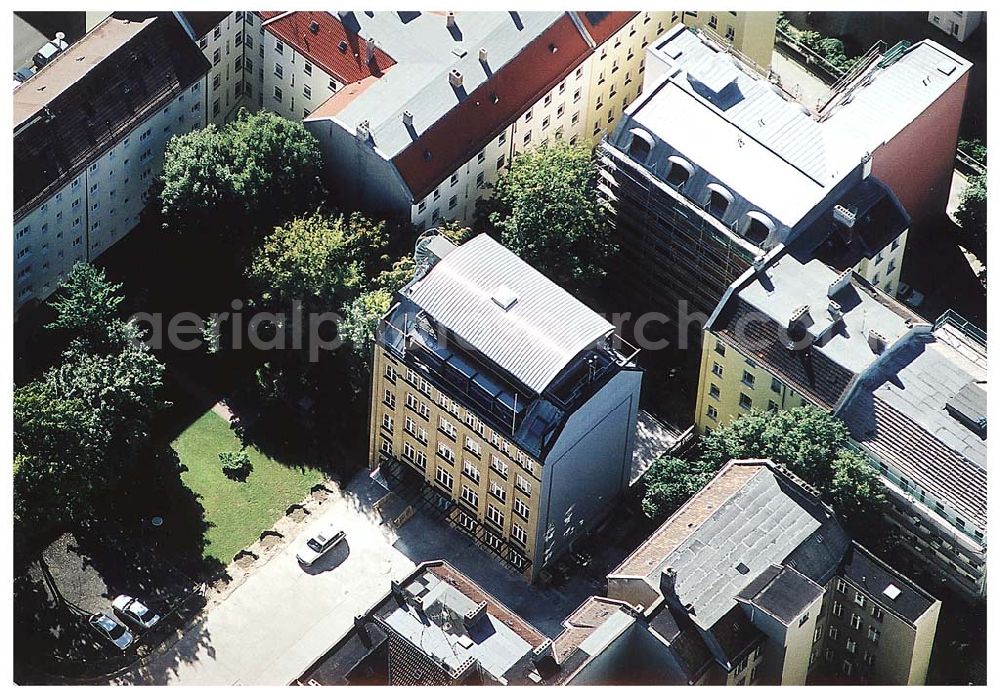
{"x":281,"y":618}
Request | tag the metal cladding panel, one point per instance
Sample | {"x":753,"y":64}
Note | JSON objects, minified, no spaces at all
{"x":535,"y":339}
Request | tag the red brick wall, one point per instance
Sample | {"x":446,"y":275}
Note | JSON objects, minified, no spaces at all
{"x":918,"y":163}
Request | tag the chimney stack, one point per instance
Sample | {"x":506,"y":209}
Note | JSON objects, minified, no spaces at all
{"x":364,"y":130}
{"x":408,"y":118}
{"x":370,"y":50}
{"x":877,"y":341}
{"x":544,"y":652}
{"x":451,"y":20}
{"x":839,"y":284}
{"x":833,"y":307}
{"x":844,"y":216}
{"x":482,"y":55}
{"x":455,"y":78}
{"x":798,"y":314}
{"x":668,"y":583}
{"x":476,"y":614}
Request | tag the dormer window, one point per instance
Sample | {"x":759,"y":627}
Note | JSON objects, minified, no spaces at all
{"x":641,"y":145}
{"x":719,"y":200}
{"x":680,"y":171}
{"x":758,"y":227}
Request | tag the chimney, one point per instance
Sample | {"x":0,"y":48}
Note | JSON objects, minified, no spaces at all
{"x":482,"y":55}
{"x":844,"y":216}
{"x":362,"y":628}
{"x":364,"y":130}
{"x":668,"y":583}
{"x":370,"y":53}
{"x":455,"y":78}
{"x":450,"y":20}
{"x":314,"y":27}
{"x":877,"y":341}
{"x":798,"y":314}
{"x":408,"y":118}
{"x":397,"y":591}
{"x":544,"y":652}
{"x":833,"y":307}
{"x":758,"y":262}
{"x":476,"y":614}
{"x":866,"y":165}
{"x":839,"y":284}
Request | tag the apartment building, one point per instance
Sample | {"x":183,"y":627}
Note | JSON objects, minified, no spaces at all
{"x":501,"y":399}
{"x":750,"y":34}
{"x":90,"y":129}
{"x":753,"y":581}
{"x":960,"y":25}
{"x":226,"y":40}
{"x":912,"y":395}
{"x":693,"y":208}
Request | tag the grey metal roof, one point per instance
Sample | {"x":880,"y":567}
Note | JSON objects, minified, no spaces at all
{"x":535,"y":338}
{"x":867,"y":572}
{"x":426,"y":51}
{"x":899,"y":412}
{"x":782,"y":592}
{"x":760,"y":525}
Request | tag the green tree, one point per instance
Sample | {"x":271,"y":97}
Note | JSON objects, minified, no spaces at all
{"x":86,"y":305}
{"x":813,"y":445}
{"x":240,"y":179}
{"x":669,"y":483}
{"x":361,"y":316}
{"x":545,"y":209}
{"x":971,"y":215}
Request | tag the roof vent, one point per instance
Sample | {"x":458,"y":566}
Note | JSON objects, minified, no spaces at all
{"x":342,"y":46}
{"x":553,"y":48}
{"x":482,"y":55}
{"x":408,"y":118}
{"x":839,"y":284}
{"x":876,"y":340}
{"x":844,"y":215}
{"x":450,"y":19}
{"x":892,"y":591}
{"x":314,"y":27}
{"x":504,"y":297}
{"x":742,"y":568}
{"x":455,"y":78}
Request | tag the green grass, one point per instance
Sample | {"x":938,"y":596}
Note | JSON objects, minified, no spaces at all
{"x":237,"y":512}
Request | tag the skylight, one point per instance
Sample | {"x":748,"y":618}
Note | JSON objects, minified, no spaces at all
{"x":892,"y":591}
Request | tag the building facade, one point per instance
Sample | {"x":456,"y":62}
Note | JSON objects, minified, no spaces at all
{"x":226,"y":40}
{"x":508,"y":403}
{"x":89,"y":138}
{"x":960,"y":25}
{"x":750,"y":34}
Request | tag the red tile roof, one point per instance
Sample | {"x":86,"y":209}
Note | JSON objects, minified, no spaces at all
{"x":478,"y":118}
{"x":603,"y":25}
{"x":322,"y":47}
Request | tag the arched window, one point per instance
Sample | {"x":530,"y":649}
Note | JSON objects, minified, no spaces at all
{"x":641,"y":145}
{"x":758,"y":227}
{"x":719,"y":200}
{"x":680,"y":171}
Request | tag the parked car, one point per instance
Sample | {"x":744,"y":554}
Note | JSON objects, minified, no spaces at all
{"x":134,"y":611}
{"x":110,"y":629}
{"x":909,"y":295}
{"x":320,"y":544}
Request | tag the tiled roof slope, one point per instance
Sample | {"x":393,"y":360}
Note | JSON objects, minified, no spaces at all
{"x":482,"y":114}
{"x":94,"y":93}
{"x":322,"y":46}
{"x":603,"y":25}
{"x":812,"y":373}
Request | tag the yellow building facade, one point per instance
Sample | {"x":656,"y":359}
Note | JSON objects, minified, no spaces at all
{"x":751,"y":34}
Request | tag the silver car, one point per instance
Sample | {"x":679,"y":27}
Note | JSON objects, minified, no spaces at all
{"x":110,"y":629}
{"x":319,"y":545}
{"x":134,"y":611}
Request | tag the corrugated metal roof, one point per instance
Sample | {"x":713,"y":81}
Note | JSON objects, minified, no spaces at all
{"x":535,"y":339}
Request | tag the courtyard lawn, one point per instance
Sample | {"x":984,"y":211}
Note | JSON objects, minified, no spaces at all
{"x":236,"y":512}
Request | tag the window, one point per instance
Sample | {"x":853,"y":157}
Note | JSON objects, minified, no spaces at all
{"x":748,"y":379}
{"x":498,"y":465}
{"x":545,"y":123}
{"x":745,"y":402}
{"x":390,"y":373}
{"x":841,"y":586}
{"x":446,"y":427}
{"x":877,"y":614}
{"x":470,"y":469}
{"x":452,"y":202}
{"x":718,"y":202}
{"x":678,"y":175}
{"x":772,"y":406}
{"x":847,"y":668}
{"x":522,"y":484}
{"x":481,"y":180}
{"x":472,"y":446}
{"x":498,"y":490}
{"x":332,"y":85}
{"x":713,"y":21}
{"x":717,"y":369}
{"x":713,"y":391}
{"x":527,"y":137}
{"x":859,"y":599}
{"x":387,"y":422}
{"x":307,"y":92}
{"x":720,"y":348}
{"x":519,"y":534}
{"x":445,"y":451}
{"x":443,"y":477}
{"x":279,"y":47}
{"x":833,"y":632}
{"x":730,"y":34}
{"x":521,"y":508}
{"x":216,"y":57}
{"x":470,"y":495}
{"x":307,"y":68}
{"x":851,"y":646}
{"x":713,"y":413}
{"x":856,"y":621}
{"x":277,"y":93}
{"x":874,"y":634}
{"x":527,"y":116}
{"x":494,"y":515}
{"x":500,"y":161}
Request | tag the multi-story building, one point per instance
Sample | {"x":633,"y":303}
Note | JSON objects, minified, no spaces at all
{"x":90,"y":129}
{"x":504,"y":399}
{"x":753,"y":581}
{"x":694,"y":207}
{"x":957,"y":24}
{"x":750,"y":34}
{"x":223,"y":39}
{"x":794,"y":334}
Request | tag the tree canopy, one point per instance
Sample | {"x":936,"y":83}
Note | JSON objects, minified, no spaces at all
{"x":545,"y":210}
{"x":669,"y":483}
{"x":86,"y":305}
{"x":240,"y":179}
{"x":971,"y":215}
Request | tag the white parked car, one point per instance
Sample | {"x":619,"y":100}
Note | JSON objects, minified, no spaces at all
{"x":135,"y":612}
{"x":110,"y":629}
{"x":320,"y":544}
